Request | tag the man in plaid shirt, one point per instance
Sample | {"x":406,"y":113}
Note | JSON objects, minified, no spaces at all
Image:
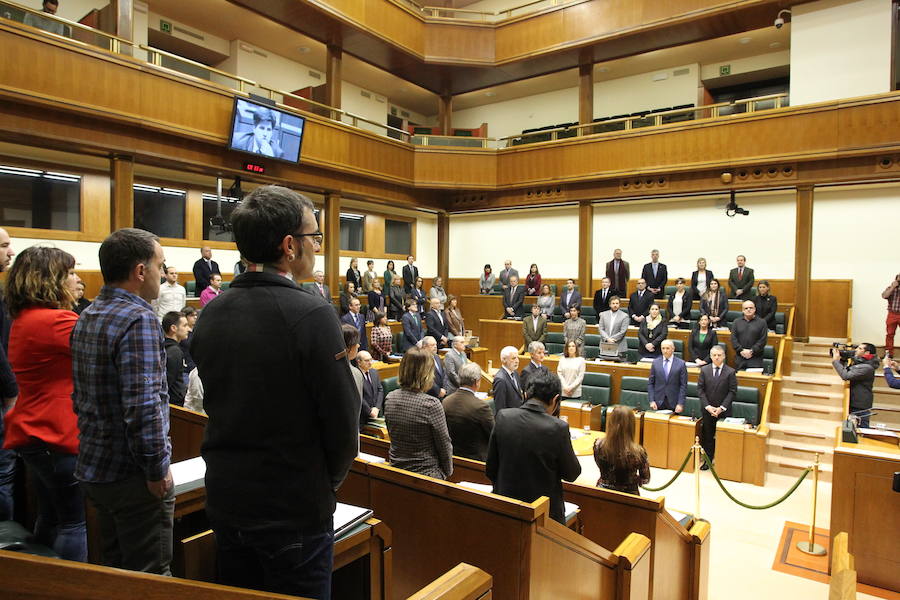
{"x":121,"y":399}
{"x":892,"y":295}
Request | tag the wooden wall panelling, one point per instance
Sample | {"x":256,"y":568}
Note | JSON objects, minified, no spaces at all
{"x":471,"y":43}
{"x":95,"y":205}
{"x":193,"y":215}
{"x":331,"y":214}
{"x":830,"y":301}
{"x":122,"y":190}
{"x":470,"y":168}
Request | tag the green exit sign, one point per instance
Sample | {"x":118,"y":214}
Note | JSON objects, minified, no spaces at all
{"x":165,"y":26}
{"x":724,"y":70}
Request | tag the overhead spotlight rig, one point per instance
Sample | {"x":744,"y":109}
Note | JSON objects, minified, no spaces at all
{"x":732,"y":208}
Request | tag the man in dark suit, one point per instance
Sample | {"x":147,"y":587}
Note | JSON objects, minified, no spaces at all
{"x":410,"y":274}
{"x":355,"y":318}
{"x":373,"y":392}
{"x":656,"y":275}
{"x":667,"y":385}
{"x":602,"y":296}
{"x":530,"y":451}
{"x":320,"y":288}
{"x":717,"y":387}
{"x":740,"y":280}
{"x":203,"y":270}
{"x":507,"y":273}
{"x":537,"y":352}
{"x":569,"y":298}
{"x":507,"y":388}
{"x":412,"y":326}
{"x":513,"y":299}
{"x":436,"y":323}
{"x":439,"y":387}
{"x":617,"y":271}
{"x":639,"y":304}
{"x":469,"y":418}
{"x":748,"y":338}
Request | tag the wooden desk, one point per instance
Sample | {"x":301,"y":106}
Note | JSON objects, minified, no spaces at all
{"x":681,"y":437}
{"x":656,"y":438}
{"x":863,"y":505}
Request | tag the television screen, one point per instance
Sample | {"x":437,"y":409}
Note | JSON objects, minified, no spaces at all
{"x":265,"y":131}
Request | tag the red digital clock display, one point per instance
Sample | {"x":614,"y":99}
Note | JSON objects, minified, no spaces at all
{"x":254,"y":168}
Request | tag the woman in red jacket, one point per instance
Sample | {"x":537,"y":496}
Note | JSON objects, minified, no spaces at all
{"x":42,"y":426}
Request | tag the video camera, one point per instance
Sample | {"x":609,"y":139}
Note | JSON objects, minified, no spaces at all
{"x":847,"y":351}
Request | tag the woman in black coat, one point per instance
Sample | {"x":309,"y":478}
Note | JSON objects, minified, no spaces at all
{"x":651,"y":333}
{"x":353,"y":275}
{"x":715,"y":304}
{"x":700,"y":278}
{"x":703,"y":338}
{"x":766,"y":304}
{"x":680,"y":317}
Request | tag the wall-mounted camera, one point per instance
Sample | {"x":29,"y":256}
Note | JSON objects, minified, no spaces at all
{"x":732,"y":208}
{"x":779,"y":20}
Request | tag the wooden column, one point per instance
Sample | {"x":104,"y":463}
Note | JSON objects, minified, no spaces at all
{"x":443,"y":244}
{"x":122,"y":192}
{"x":332,"y":240}
{"x":803,"y":261}
{"x":445,"y":114}
{"x":123,"y":13}
{"x":585,"y":248}
{"x":193,"y":215}
{"x":333,"y":57}
{"x":585,"y":88}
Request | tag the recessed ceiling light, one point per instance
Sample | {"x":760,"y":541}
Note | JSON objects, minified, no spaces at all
{"x":603,"y":70}
{"x":775,"y":45}
{"x":490,"y":94}
{"x":303,"y":49}
{"x":745,"y":40}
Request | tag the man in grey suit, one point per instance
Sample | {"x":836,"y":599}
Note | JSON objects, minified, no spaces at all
{"x":717,"y":387}
{"x":667,"y":384}
{"x":740,"y":280}
{"x":613,"y":325}
{"x":507,"y":388}
{"x":507,"y":273}
{"x":320,"y":288}
{"x":453,"y":362}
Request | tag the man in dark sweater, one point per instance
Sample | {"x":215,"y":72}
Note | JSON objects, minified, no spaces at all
{"x":283,"y":411}
{"x":748,"y":337}
{"x":175,"y":328}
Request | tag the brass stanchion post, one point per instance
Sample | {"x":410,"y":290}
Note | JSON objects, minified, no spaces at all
{"x":696,"y":450}
{"x":810,"y":546}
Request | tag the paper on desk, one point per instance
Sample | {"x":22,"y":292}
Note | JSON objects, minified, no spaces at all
{"x":664,"y":411}
{"x":754,"y":370}
{"x":478,"y":487}
{"x":188,"y":474}
{"x":649,"y":359}
{"x":371,"y":458}
{"x":877,"y":431}
{"x":347,"y":516}
{"x":481,"y":395}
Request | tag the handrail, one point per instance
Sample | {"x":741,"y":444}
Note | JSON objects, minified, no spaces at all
{"x":434,"y":12}
{"x":156,"y":51}
{"x":115,"y":41}
{"x":790,"y":324}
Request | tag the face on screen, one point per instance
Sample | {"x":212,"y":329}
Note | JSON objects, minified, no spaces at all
{"x":263,"y":134}
{"x":266,"y":131}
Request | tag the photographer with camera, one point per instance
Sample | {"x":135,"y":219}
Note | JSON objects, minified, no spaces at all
{"x":892,"y":295}
{"x":860,"y":372}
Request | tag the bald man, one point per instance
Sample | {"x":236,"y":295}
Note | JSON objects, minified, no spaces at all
{"x":203,"y":270}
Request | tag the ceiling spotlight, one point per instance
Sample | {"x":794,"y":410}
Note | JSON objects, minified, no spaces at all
{"x":303,"y":49}
{"x":774,"y":45}
{"x":732,"y":208}
{"x":603,"y":69}
{"x":490,"y":94}
{"x":779,"y":20}
{"x":745,"y":40}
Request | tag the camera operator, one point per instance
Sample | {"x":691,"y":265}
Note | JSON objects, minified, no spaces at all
{"x":889,"y":378}
{"x":860,"y":372}
{"x":892,"y":295}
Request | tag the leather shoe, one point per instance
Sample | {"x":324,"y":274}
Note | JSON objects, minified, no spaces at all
{"x":704,"y":467}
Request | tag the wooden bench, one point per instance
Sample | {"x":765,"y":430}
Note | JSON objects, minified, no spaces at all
{"x":28,"y":577}
{"x":435,"y":522}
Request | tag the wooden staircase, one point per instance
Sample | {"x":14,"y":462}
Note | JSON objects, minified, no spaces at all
{"x":811,"y":411}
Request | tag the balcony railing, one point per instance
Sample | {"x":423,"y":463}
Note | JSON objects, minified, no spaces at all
{"x":480,"y":16}
{"x":77,"y":33}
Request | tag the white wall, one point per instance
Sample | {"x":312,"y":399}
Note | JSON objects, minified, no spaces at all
{"x":840,"y":49}
{"x":748,"y":64}
{"x":86,"y":255}
{"x":646,"y":91}
{"x":375,"y":107}
{"x":512,"y":116}
{"x":699,"y":227}
{"x":209,"y":41}
{"x":548,"y":237}
{"x":855,"y":237}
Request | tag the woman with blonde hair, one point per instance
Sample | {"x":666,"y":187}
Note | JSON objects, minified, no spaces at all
{"x":623,"y":464}
{"x":420,"y":440}
{"x":42,"y":427}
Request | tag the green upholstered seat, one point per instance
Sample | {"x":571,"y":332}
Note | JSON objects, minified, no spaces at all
{"x":780,"y":323}
{"x":591,"y":352}
{"x":395,"y":343}
{"x":670,"y":289}
{"x":631,"y":355}
{"x":389,"y":385}
{"x":498,"y":288}
{"x":555,"y":342}
{"x":226,"y":285}
{"x":191,"y":288}
{"x":634,"y":393}
{"x":692,"y":407}
{"x":592,"y":339}
{"x":630,"y":382}
{"x":632,"y":342}
{"x":746,"y":404}
{"x":595,"y":388}
{"x":732,"y":315}
{"x":588,"y":311}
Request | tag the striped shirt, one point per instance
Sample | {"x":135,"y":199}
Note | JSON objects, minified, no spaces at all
{"x":121,"y":396}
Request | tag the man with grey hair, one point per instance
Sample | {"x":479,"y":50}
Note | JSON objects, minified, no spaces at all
{"x":454,"y":361}
{"x":469,"y":418}
{"x":372,"y":392}
{"x":537,"y":352}
{"x":507,"y":387}
{"x":717,"y":388}
{"x":667,"y":385}
{"x":320,"y":287}
{"x":439,"y":389}
{"x":656,"y":275}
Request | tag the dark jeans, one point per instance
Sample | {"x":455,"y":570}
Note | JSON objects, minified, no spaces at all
{"x":7,"y":477}
{"x":60,"y":521}
{"x":276,"y":559}
{"x":135,"y":526}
